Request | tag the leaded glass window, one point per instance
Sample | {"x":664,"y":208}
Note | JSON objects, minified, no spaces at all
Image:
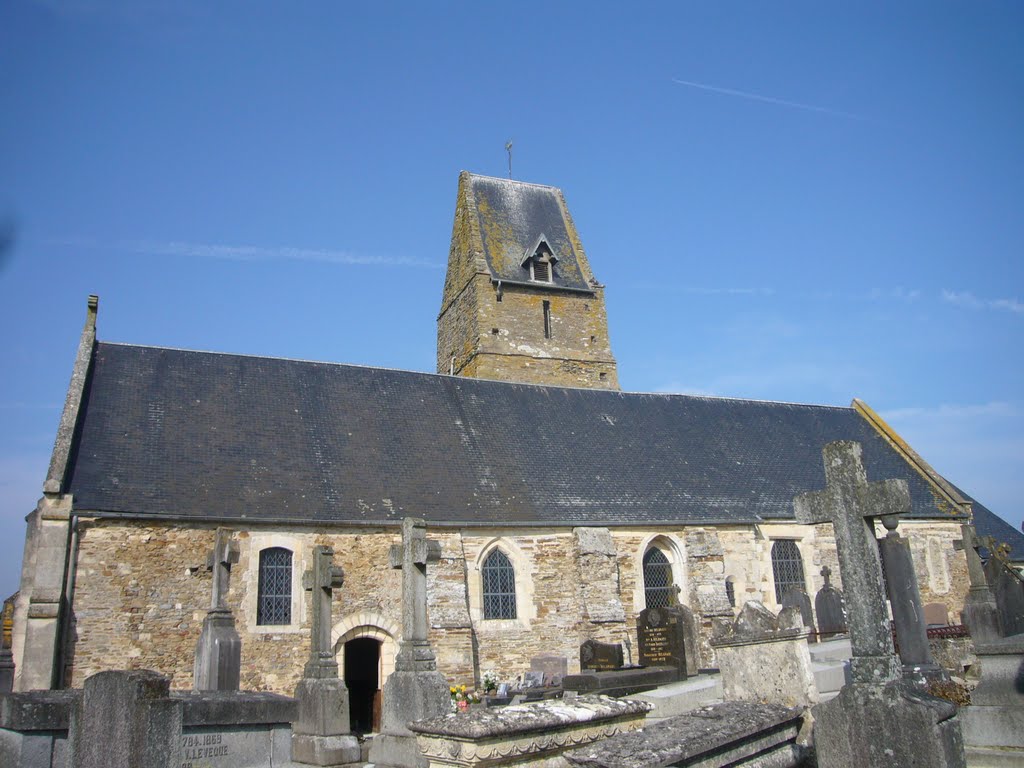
{"x":658,"y":584}
{"x":499,"y":582}
{"x":787,"y":568}
{"x":275,"y":587}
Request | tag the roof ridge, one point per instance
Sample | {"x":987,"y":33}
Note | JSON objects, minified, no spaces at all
{"x":513,"y":181}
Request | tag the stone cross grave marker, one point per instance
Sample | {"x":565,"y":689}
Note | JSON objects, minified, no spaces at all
{"x":980,"y":614}
{"x":828,"y":604}
{"x":218,"y":657}
{"x":412,"y":557}
{"x":851,"y":503}
{"x":322,"y":579}
{"x":220,"y":560}
{"x":968,"y":542}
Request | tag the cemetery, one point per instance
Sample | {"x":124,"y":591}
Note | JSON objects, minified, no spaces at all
{"x":508,"y":563}
{"x":765,"y":708}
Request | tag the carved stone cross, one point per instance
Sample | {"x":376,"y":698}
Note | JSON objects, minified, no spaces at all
{"x":826,"y":574}
{"x":322,"y":579}
{"x":850,"y":503}
{"x":220,"y":560}
{"x":412,"y":556}
{"x":969,"y":544}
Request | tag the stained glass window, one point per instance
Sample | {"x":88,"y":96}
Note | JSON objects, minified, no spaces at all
{"x":275,"y":587}
{"x":499,"y":582}
{"x":658,"y":585}
{"x":787,"y":568}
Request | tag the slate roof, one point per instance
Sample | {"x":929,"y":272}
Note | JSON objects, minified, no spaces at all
{"x":167,"y":432}
{"x":512,"y":216}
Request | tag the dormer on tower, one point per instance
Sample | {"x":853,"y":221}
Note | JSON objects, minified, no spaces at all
{"x":520,"y":302}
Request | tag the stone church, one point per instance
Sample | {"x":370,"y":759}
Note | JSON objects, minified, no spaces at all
{"x":563,"y":506}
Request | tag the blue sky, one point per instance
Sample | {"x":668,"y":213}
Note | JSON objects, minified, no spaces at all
{"x":800,"y":201}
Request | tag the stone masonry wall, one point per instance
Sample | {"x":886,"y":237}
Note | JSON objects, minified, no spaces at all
{"x":142,"y":591}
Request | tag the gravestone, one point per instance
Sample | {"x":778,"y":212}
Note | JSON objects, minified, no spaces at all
{"x":218,"y":661}
{"x":554,"y":668}
{"x":828,"y":604}
{"x":796,"y":597}
{"x":980,"y":614}
{"x":936,"y":615}
{"x":1008,"y":591}
{"x":415,"y":690}
{"x":321,"y":733}
{"x":600,"y":657}
{"x":877,"y":720}
{"x":6,"y":655}
{"x":765,"y":658}
{"x":661,"y":639}
{"x":125,"y":720}
{"x":533,"y":679}
{"x":905,"y":600}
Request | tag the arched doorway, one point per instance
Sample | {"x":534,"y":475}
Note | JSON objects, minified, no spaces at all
{"x":362,"y":677}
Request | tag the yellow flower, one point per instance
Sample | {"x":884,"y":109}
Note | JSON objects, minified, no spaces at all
{"x":452,"y":689}
{"x":463,"y":689}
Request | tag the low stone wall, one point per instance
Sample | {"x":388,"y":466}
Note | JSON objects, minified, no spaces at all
{"x":56,"y":729}
{"x":534,"y":734}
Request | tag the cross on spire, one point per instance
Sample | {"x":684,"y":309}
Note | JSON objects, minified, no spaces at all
{"x":851,"y":503}
{"x":220,"y":560}
{"x":322,"y":579}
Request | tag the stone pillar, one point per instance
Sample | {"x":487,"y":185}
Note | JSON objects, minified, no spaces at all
{"x":37,"y":612}
{"x":6,"y":657}
{"x":415,"y":690}
{"x":907,"y":610}
{"x":126,"y":720}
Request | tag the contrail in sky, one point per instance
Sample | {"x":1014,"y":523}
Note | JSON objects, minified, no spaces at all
{"x":768,"y":99}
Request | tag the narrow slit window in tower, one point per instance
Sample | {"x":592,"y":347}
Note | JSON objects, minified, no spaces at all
{"x":547,"y":319}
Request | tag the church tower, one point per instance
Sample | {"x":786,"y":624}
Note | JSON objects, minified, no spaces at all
{"x":520,"y":302}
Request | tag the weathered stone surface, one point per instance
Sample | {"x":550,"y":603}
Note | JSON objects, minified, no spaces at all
{"x":905,"y":602}
{"x":765,"y":658}
{"x":535,"y":733}
{"x":621,"y":682}
{"x":849,"y":501}
{"x":552,"y":667}
{"x":719,"y":735}
{"x":1008,"y":590}
{"x":878,"y":726}
{"x":126,"y":719}
{"x":598,"y":575}
{"x":218,"y":665}
{"x":995,"y":719}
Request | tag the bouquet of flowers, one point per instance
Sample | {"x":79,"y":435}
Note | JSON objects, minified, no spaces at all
{"x":461,"y":698}
{"x":490,"y":681}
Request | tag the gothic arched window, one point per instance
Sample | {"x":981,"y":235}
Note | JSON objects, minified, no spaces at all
{"x":274,"y":602}
{"x":499,"y":586}
{"x":787,"y":568}
{"x":658,"y":584}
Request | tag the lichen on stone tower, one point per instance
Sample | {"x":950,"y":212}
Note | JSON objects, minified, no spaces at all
{"x":520,"y":302}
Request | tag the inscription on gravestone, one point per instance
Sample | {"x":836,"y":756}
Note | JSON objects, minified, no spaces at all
{"x":661,"y":639}
{"x":600,"y":657}
{"x":200,"y":748}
